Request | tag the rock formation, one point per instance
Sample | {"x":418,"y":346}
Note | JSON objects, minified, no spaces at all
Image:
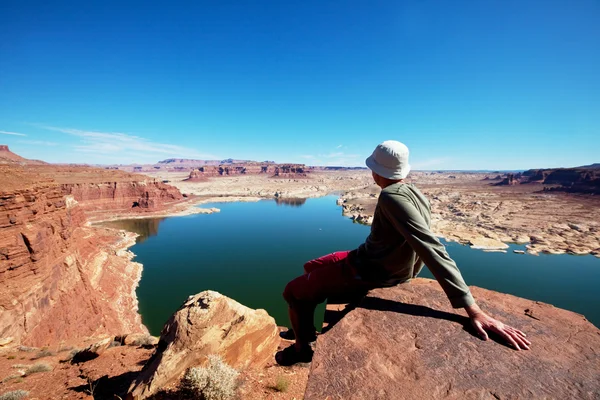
{"x":575,"y":180}
{"x":249,"y":168}
{"x":406,"y":342}
{"x":208,"y":323}
{"x":8,"y":157}
{"x":60,"y":278}
{"x":511,"y":179}
{"x":143,"y":194}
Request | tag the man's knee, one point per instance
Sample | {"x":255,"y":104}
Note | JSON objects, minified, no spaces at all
{"x":303,"y":290}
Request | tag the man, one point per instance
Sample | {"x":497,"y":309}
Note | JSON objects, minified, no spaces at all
{"x":399,"y":245}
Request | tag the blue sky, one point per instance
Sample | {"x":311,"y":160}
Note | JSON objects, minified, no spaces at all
{"x":465,"y":84}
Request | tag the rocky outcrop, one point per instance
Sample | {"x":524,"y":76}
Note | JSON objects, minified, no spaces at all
{"x":251,"y":168}
{"x":510,"y":180}
{"x":406,"y":342}
{"x":8,"y":157}
{"x":208,"y":323}
{"x":145,"y":194}
{"x":574,"y":180}
{"x":59,"y":278}
{"x":290,"y":171}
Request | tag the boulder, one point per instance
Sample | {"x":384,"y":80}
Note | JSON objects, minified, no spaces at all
{"x":406,"y":342}
{"x":208,"y":323}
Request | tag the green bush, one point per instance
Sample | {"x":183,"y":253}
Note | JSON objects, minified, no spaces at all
{"x":216,"y":381}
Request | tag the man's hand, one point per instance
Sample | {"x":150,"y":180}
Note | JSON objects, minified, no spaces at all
{"x":482,"y":322}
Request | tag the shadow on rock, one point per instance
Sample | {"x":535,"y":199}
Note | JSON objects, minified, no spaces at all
{"x":106,"y":388}
{"x":376,"y":303}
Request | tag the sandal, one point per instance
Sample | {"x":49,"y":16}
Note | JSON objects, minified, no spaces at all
{"x":290,"y":335}
{"x":290,"y":356}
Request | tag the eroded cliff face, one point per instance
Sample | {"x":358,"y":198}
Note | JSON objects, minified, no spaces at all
{"x":61,"y":278}
{"x":146,"y":194}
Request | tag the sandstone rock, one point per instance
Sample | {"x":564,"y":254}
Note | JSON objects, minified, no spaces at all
{"x":406,"y":342}
{"x":208,"y":323}
{"x":6,"y":340}
{"x":140,"y":339}
{"x":92,"y":351}
{"x":487,"y":243}
{"x":59,"y":277}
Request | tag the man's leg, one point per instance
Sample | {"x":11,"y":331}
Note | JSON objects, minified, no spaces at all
{"x":306,"y":291}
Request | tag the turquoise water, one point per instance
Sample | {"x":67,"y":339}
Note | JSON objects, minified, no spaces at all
{"x":249,"y":251}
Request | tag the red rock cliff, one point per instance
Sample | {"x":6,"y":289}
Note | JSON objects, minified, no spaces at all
{"x":61,"y":279}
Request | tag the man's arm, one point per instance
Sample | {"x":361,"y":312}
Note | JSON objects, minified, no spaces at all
{"x":411,"y":225}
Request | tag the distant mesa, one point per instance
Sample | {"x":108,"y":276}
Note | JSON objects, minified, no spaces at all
{"x":585,"y":179}
{"x":250,"y":168}
{"x":8,"y":157}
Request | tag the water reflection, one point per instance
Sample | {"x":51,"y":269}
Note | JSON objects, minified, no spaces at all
{"x":293,"y":202}
{"x":146,"y":227}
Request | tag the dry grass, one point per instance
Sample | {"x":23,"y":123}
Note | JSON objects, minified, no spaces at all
{"x":216,"y":381}
{"x":10,"y":378}
{"x":282,"y":384}
{"x":42,"y":354}
{"x":14,"y":395}
{"x":36,"y":368}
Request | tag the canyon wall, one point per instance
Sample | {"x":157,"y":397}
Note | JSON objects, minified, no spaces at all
{"x":61,"y":278}
{"x":145,"y":194}
{"x":574,"y":180}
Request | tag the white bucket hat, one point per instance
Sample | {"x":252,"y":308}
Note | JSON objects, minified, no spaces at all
{"x":390,"y":160}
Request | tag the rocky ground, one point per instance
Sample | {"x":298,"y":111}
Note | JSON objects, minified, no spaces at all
{"x":51,"y":372}
{"x":406,"y":342}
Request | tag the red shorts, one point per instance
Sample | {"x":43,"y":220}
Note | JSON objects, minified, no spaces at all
{"x":330,"y":275}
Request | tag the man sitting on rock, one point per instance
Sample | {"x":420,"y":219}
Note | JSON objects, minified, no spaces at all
{"x":400,"y":243}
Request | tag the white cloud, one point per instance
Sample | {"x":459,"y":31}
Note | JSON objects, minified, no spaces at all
{"x":38,"y":143}
{"x":123,"y":146}
{"x":339,"y":146}
{"x":12,"y":133}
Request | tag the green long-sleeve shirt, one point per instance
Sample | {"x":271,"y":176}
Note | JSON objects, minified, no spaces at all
{"x":401,"y":242}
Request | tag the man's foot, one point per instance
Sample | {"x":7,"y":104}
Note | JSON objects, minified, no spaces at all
{"x":290,"y":356}
{"x":290,"y":335}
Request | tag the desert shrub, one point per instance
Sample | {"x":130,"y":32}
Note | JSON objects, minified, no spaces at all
{"x":143,"y":341}
{"x":11,"y":357}
{"x":21,"y":366}
{"x":27,"y":349}
{"x":42,"y":354}
{"x":10,"y":378}
{"x":216,"y":381}
{"x":282,"y":384}
{"x":14,"y":395}
{"x":39,"y":367}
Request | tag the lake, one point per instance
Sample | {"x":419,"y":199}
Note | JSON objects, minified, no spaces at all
{"x":249,"y":251}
